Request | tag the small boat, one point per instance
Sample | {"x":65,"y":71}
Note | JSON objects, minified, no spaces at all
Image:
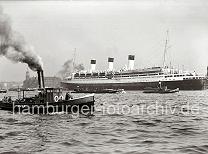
{"x":13,"y":89}
{"x":48,"y":100}
{"x":82,"y":90}
{"x":162,"y":90}
{"x":30,"y":89}
{"x":3,"y":91}
{"x":23,"y":89}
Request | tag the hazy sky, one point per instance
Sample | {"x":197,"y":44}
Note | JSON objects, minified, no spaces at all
{"x":110,"y":28}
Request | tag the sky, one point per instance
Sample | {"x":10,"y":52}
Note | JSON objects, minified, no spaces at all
{"x":102,"y":29}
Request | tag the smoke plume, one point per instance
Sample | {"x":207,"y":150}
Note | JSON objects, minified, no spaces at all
{"x":14,"y":47}
{"x":68,"y":68}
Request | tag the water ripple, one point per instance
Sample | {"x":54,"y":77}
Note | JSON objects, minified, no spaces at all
{"x":113,"y":133}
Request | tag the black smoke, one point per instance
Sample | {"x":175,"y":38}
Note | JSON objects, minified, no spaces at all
{"x":14,"y":47}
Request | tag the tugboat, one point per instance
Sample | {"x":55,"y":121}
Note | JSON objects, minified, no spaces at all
{"x":161,"y":90}
{"x":48,"y":100}
{"x":3,"y":91}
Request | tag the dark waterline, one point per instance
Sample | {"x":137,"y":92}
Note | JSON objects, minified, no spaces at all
{"x":181,"y":131}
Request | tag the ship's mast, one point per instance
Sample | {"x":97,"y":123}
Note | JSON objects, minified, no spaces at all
{"x":165,"y":49}
{"x":74,"y":59}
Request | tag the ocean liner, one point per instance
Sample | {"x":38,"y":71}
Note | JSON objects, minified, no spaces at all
{"x":135,"y":79}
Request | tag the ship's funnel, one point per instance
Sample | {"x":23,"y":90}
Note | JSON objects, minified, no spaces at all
{"x":41,"y":82}
{"x":207,"y":71}
{"x":39,"y":78}
{"x":131,"y":62}
{"x":93,"y":65}
{"x":110,"y":63}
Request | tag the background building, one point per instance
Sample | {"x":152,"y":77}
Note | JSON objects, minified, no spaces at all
{"x":32,"y":82}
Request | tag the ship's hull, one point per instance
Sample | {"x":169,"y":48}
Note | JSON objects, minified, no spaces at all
{"x":80,"y":104}
{"x":191,"y":84}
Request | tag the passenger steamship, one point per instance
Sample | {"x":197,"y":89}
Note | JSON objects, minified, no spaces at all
{"x":135,"y":79}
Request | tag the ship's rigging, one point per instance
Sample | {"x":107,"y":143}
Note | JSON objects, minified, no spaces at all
{"x":165,"y":49}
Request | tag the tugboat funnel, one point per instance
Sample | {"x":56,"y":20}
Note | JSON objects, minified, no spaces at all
{"x":39,"y":78}
{"x":41,"y":82}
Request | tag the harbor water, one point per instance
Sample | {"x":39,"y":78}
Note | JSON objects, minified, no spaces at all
{"x":128,"y":123}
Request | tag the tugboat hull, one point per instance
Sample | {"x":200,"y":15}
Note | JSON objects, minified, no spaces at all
{"x":81,"y":105}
